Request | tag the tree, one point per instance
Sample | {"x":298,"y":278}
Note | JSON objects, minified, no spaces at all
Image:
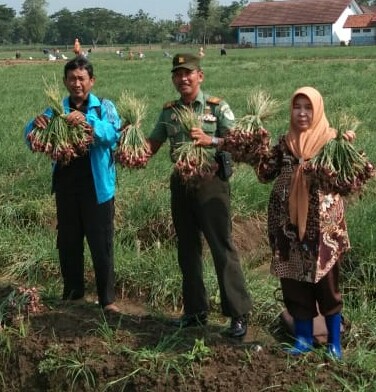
{"x":210,"y":21}
{"x":200,"y":13}
{"x":98,"y":25}
{"x":203,"y":7}
{"x":6,"y":20}
{"x":35,"y":19}
{"x":66,"y":25}
{"x":18,"y":33}
{"x":142,"y":27}
{"x":228,"y":13}
{"x":365,"y":2}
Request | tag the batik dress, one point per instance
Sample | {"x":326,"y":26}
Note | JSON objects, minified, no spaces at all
{"x":326,"y":237}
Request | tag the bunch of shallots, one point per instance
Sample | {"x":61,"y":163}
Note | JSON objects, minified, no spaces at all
{"x":19,"y":303}
{"x":193,"y":162}
{"x":60,"y":140}
{"x":248,"y":140}
{"x":132,"y":150}
{"x":339,"y":166}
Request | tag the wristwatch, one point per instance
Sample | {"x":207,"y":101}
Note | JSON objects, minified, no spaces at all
{"x":214,"y":141}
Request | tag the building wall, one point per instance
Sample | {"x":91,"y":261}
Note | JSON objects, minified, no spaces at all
{"x":339,"y":33}
{"x":246,"y":36}
{"x":363,"y":36}
{"x":333,"y":35}
{"x":180,"y":37}
{"x":301,"y":35}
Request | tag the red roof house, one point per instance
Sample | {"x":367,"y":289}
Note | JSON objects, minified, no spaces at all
{"x":363,"y":28}
{"x":295,"y":22}
{"x":183,"y":33}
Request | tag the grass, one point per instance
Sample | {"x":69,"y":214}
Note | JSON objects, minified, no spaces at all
{"x":162,"y":358}
{"x":75,"y":366}
{"x":145,"y":251}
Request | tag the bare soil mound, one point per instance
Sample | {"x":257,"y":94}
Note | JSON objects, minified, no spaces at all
{"x":71,"y":348}
{"x":76,"y":347}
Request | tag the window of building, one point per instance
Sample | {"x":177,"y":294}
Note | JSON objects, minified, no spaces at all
{"x":301,"y":31}
{"x":356,"y":30}
{"x":366,"y":30}
{"x":247,"y":29}
{"x":265,"y":32}
{"x":281,"y":32}
{"x":322,"y":30}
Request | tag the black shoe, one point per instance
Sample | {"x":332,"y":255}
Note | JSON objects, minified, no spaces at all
{"x":238,"y":327}
{"x":73,"y":295}
{"x":191,"y":320}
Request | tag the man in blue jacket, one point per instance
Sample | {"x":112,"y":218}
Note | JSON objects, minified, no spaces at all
{"x":85,"y":187}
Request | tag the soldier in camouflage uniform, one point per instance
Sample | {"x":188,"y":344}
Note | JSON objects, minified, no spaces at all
{"x":204,"y":208}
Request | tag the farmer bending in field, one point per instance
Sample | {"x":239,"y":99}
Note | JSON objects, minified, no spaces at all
{"x":77,"y":47}
{"x":306,"y":224}
{"x":204,"y":207}
{"x":85,"y":187}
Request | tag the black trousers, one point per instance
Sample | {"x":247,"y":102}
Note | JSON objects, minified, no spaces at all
{"x":79,"y":216}
{"x":205,"y":208}
{"x":303,"y":298}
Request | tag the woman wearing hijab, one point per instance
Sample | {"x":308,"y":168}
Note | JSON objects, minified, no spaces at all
{"x":306,"y":225}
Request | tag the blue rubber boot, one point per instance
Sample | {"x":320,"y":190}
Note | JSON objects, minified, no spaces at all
{"x":333,"y":324}
{"x":303,"y":337}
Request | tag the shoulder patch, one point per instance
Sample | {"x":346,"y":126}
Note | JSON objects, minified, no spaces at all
{"x":169,"y":104}
{"x":214,"y":100}
{"x":227,"y":112}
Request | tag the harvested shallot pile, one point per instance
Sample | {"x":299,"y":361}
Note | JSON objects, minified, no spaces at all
{"x":193,"y":162}
{"x":60,"y":140}
{"x":18,"y":303}
{"x":340,"y":166}
{"x":132,"y":150}
{"x":248,"y":140}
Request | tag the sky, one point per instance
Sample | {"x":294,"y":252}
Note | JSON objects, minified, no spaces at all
{"x":159,"y":9}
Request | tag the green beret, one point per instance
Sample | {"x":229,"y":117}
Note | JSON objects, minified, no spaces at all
{"x":185,"y":60}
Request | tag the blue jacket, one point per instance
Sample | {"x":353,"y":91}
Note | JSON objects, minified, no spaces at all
{"x":105,"y":121}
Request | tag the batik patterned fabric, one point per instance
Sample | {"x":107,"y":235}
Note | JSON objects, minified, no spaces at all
{"x":326,"y":237}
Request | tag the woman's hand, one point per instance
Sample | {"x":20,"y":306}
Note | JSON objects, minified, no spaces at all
{"x":349,"y":136}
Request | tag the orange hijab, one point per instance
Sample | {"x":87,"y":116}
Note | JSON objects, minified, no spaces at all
{"x":304,"y":146}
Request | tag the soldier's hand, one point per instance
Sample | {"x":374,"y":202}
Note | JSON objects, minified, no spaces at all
{"x":200,"y":138}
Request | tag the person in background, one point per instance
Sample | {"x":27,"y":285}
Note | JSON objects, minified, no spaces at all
{"x":306,"y":224}
{"x":201,"y":52}
{"x":204,"y":207}
{"x":85,"y":188}
{"x":77,"y":47}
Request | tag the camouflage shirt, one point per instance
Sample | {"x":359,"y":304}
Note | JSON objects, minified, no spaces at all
{"x":216,"y":116}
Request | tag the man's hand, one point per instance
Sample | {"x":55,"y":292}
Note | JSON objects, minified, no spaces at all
{"x":41,"y":121}
{"x":125,"y":127}
{"x":200,"y":138}
{"x":75,"y":118}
